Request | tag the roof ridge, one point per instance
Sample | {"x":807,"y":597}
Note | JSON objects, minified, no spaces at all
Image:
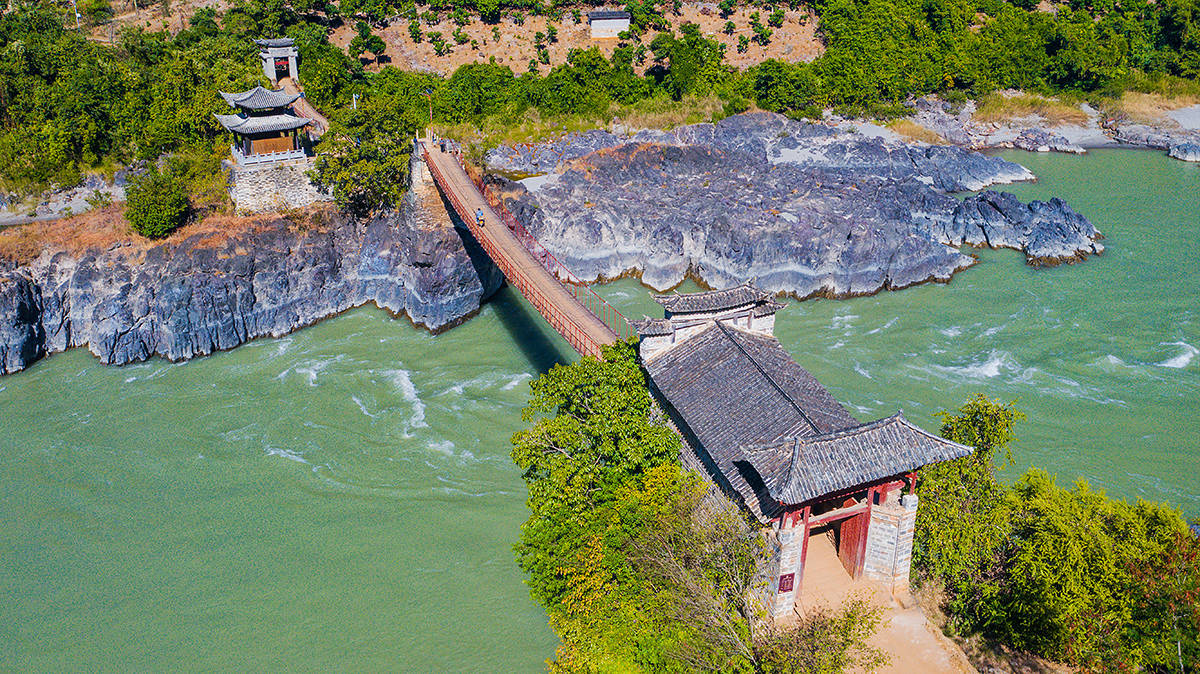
{"x":768,"y":377}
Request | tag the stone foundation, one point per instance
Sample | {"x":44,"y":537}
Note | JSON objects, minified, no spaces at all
{"x":889,"y":543}
{"x":273,"y":188}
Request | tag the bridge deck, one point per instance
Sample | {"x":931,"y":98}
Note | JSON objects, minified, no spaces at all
{"x":583,"y":329}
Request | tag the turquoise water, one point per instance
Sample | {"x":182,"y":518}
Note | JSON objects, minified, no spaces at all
{"x":343,"y":497}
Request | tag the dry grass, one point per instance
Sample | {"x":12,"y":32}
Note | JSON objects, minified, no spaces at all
{"x":532,"y":127}
{"x":913,"y":131}
{"x":1149,"y":108}
{"x":106,"y":228}
{"x":1000,"y":108}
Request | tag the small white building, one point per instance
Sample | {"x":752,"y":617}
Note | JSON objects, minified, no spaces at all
{"x":607,"y":23}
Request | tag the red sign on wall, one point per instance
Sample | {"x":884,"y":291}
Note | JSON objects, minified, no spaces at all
{"x":281,"y":63}
{"x":786,"y":582}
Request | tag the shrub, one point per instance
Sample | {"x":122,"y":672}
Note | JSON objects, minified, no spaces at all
{"x":155,"y":204}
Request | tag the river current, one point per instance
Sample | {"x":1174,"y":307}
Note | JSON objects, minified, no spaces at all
{"x":343,"y":497}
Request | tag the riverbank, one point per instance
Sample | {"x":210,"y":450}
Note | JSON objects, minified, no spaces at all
{"x":807,"y":209}
{"x":226,"y":281}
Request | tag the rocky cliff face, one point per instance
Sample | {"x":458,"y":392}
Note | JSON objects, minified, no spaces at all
{"x":802,"y":208}
{"x":194,"y":295}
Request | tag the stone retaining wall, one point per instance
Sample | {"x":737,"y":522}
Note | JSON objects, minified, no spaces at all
{"x":275,"y":187}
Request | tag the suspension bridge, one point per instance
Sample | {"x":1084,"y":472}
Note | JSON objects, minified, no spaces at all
{"x":568,"y":304}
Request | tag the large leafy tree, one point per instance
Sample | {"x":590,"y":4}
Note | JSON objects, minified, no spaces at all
{"x":363,"y":159}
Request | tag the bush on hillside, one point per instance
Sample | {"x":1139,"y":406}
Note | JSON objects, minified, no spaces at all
{"x":156,"y":204}
{"x":1070,"y":574}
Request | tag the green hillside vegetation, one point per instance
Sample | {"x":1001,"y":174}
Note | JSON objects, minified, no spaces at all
{"x":68,"y":104}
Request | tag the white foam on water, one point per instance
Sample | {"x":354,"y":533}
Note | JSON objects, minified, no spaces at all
{"x":363,"y":408}
{"x":311,"y":369}
{"x":885,"y":326}
{"x":952,"y":331}
{"x":403,"y":381}
{"x":859,"y":369}
{"x":287,"y":454}
{"x":837,"y":345}
{"x":992,"y":330}
{"x":129,"y":380}
{"x":1182,"y":360}
{"x":996,"y":362}
{"x":443,"y":447}
{"x":516,"y":381}
{"x":843,"y":322}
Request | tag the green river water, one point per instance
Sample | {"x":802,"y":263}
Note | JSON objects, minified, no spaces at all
{"x":343,"y":497}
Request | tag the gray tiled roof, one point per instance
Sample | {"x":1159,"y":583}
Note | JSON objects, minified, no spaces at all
{"x":734,"y":389}
{"x":275,"y":42}
{"x":713,"y":300}
{"x":246,"y":125}
{"x":260,"y":98}
{"x":799,"y":469}
{"x":600,"y":14}
{"x":652,"y":327}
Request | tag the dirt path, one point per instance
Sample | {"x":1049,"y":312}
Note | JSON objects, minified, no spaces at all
{"x":905,"y":634}
{"x":320,"y":124}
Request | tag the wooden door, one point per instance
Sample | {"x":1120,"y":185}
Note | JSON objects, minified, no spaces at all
{"x":852,"y":542}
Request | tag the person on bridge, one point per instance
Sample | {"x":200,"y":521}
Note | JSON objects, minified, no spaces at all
{"x":479,"y":216}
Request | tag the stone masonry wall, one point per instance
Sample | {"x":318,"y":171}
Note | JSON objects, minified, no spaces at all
{"x":273,"y":188}
{"x":786,"y":562}
{"x":889,"y":543}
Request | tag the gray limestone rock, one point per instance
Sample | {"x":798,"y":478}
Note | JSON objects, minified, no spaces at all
{"x":1040,"y":140}
{"x":192,"y":296}
{"x":1186,"y":151}
{"x":847,"y":218}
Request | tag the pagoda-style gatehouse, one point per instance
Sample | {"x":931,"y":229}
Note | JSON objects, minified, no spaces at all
{"x":265,"y":129}
{"x":772,"y":438}
{"x":279,"y":56}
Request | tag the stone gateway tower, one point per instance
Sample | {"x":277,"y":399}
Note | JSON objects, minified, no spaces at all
{"x":279,"y":58}
{"x":774,"y":439}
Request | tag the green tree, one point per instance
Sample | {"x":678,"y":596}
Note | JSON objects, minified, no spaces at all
{"x":155,"y":204}
{"x":363,"y":160}
{"x":964,"y":517}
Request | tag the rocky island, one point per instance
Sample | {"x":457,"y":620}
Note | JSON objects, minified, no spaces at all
{"x":806,"y":209}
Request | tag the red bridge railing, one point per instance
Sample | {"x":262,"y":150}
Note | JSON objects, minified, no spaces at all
{"x":583,"y":294}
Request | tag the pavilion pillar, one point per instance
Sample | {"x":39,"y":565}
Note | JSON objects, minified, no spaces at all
{"x":268,"y":64}
{"x":292,"y":72}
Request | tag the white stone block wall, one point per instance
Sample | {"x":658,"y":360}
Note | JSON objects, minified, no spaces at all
{"x":276,"y":187}
{"x":786,"y":560}
{"x":889,"y":543}
{"x":608,"y":28}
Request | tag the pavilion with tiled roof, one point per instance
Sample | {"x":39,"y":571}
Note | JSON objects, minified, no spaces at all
{"x":774,"y":439}
{"x":265,"y":128}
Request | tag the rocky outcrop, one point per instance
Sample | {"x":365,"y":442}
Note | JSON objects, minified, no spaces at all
{"x":1186,"y":151}
{"x":801,"y":208}
{"x":201,"y":293}
{"x":1179,"y":143}
{"x":780,"y":140}
{"x":1040,"y":140}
